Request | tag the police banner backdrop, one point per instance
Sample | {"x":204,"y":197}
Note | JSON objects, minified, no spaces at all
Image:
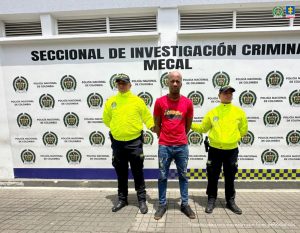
{"x":55,"y":94}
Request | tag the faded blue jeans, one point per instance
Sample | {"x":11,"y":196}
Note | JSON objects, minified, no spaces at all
{"x":180,"y":155}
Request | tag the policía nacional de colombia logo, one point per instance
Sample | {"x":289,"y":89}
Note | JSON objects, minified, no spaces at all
{"x":247,"y":140}
{"x":71,"y":120}
{"x":274,"y":79}
{"x":20,"y":84}
{"x":95,"y":101}
{"x":269,"y":157}
{"x":28,"y":156}
{"x":148,"y":138}
{"x":47,"y":101}
{"x":97,"y":138}
{"x":113,"y":105}
{"x":220,"y":79}
{"x":147,"y":97}
{"x":293,"y":138}
{"x":50,"y":139}
{"x":272,"y":118}
{"x":278,"y":12}
{"x":197,"y":98}
{"x":247,"y":98}
{"x":195,"y":138}
{"x":294,"y":98}
{"x":73,"y":156}
{"x":112,"y":82}
{"x":24,"y":120}
{"x":68,"y":83}
{"x":164,"y":83}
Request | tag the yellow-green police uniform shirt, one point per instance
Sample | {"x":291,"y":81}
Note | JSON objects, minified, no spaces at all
{"x":125,"y":114}
{"x":226,"y":124}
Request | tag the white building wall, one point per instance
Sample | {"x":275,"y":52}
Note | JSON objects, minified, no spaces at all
{"x":16,"y":60}
{"x":6,"y":164}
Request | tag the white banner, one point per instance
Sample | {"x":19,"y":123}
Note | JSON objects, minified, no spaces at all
{"x":55,"y":95}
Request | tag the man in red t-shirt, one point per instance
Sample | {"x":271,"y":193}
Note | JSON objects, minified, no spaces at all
{"x":173,"y":115}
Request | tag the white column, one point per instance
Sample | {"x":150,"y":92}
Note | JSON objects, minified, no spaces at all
{"x":2,"y":29}
{"x":49,"y":25}
{"x":6,"y":162}
{"x":168,"y":25}
{"x":234,"y":15}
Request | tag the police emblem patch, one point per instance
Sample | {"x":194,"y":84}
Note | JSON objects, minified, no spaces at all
{"x":71,"y":120}
{"x":68,"y":83}
{"x":215,"y":118}
{"x":28,"y":156}
{"x":73,"y":157}
{"x":278,"y":12}
{"x":47,"y":101}
{"x":294,"y":98}
{"x":195,"y":138}
{"x":97,"y":138}
{"x":24,"y":120}
{"x":147,"y":97}
{"x":247,"y":140}
{"x":95,"y":101}
{"x":113,"y":105}
{"x":147,"y":138}
{"x":164,"y":80}
{"x":112,"y":82}
{"x":247,"y":99}
{"x":269,"y":157}
{"x":272,"y":118}
{"x":20,"y":84}
{"x":274,"y":79}
{"x":220,"y":79}
{"x":293,"y":138}
{"x":197,"y":98}
{"x":50,"y":139}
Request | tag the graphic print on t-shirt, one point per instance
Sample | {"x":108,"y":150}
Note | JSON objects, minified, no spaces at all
{"x":173,"y":114}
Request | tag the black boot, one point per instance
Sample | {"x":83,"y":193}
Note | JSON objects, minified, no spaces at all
{"x":141,"y":196}
{"x":210,"y":205}
{"x":233,"y":207}
{"x":119,"y":205}
{"x":143,"y":207}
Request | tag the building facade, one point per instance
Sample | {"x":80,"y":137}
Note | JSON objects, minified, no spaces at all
{"x":58,"y":60}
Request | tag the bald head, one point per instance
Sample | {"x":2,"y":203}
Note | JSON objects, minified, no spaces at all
{"x":175,"y":73}
{"x":175,"y":82}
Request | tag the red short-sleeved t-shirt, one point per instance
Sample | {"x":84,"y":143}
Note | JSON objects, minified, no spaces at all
{"x":173,"y":115}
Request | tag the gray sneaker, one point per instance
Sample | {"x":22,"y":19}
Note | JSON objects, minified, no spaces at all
{"x":160,"y":212}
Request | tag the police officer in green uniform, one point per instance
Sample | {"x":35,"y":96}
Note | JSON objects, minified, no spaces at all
{"x":226,"y":124}
{"x":125,"y":114}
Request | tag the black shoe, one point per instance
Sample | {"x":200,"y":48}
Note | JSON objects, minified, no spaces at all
{"x":143,"y":207}
{"x":186,"y":209}
{"x":160,"y":212}
{"x":233,"y":207}
{"x":119,"y":205}
{"x":210,"y":205}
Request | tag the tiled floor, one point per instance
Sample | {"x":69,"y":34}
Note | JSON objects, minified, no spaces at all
{"x":62,"y":210}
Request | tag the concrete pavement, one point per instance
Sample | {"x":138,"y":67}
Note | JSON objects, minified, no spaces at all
{"x":65,"y":210}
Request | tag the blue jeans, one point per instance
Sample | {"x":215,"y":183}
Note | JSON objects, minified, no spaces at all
{"x":165,"y":156}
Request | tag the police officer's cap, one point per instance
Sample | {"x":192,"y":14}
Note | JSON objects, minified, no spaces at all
{"x":226,"y":88}
{"x":123,"y":77}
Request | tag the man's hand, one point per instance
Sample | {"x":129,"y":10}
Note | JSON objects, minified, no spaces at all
{"x":155,"y":129}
